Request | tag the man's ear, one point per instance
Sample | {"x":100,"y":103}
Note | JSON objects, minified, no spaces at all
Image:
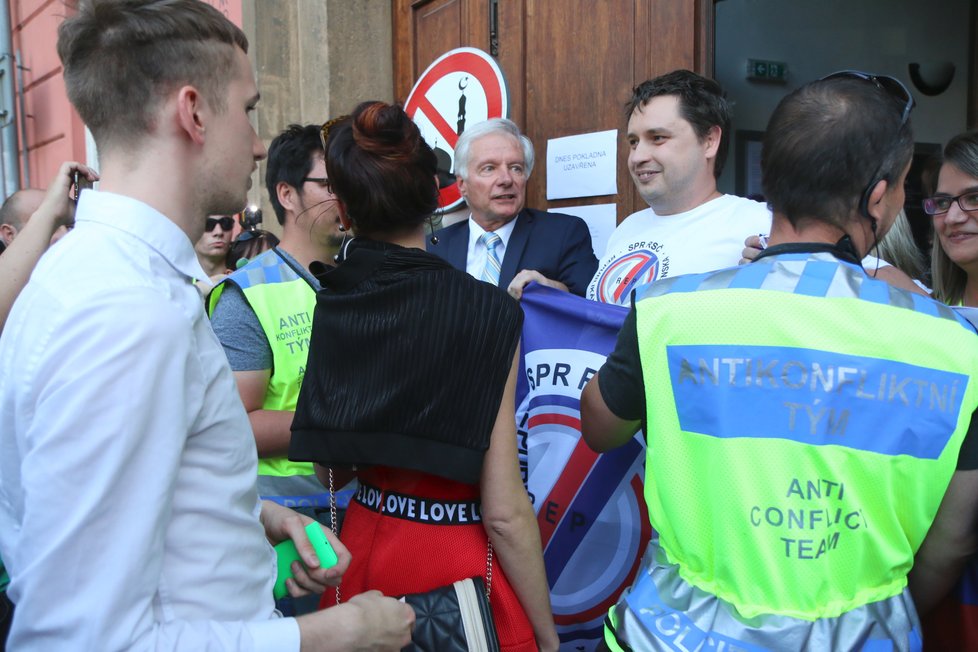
{"x":711,"y":141}
{"x":286,"y":196}
{"x":8,"y":233}
{"x":189,"y":105}
{"x":460,"y":182}
{"x":876,"y":207}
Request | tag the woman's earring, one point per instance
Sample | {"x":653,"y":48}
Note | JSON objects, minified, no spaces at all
{"x":431,"y":226}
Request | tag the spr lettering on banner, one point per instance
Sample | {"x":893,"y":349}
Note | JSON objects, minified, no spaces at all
{"x":294,"y":331}
{"x":553,"y":512}
{"x":561,"y":375}
{"x":558,"y":374}
{"x":813,"y":518}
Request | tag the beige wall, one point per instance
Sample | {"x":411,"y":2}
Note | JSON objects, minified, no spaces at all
{"x":316,"y":59}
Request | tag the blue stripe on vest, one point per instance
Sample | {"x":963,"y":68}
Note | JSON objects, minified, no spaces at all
{"x":816,"y":278}
{"x":688,"y":283}
{"x":815,"y":397}
{"x":750,"y":276}
{"x":267,"y":267}
{"x":876,"y":292}
{"x":273,"y":274}
{"x":926,"y":305}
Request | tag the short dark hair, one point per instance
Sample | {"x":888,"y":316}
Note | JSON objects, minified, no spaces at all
{"x":702,"y":103}
{"x":121,"y":57}
{"x":290,"y":159}
{"x":382,"y":170}
{"x":13,"y":211}
{"x":827,"y":142}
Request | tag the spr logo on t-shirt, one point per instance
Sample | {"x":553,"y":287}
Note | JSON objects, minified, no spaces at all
{"x":622,"y":275}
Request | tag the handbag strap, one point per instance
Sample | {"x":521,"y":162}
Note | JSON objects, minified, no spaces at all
{"x":488,"y":567}
{"x":332,"y":520}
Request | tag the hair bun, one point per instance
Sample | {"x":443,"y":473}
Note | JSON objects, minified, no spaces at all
{"x":385,"y":130}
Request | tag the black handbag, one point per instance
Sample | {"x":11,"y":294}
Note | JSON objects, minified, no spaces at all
{"x":453,"y":618}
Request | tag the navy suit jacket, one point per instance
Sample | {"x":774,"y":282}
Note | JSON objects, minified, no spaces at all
{"x":554,"y":244}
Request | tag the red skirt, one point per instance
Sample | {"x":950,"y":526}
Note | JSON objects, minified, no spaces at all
{"x":401,"y":544}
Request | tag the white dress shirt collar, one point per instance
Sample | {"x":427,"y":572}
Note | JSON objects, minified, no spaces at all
{"x":145,"y":223}
{"x":475,"y":259}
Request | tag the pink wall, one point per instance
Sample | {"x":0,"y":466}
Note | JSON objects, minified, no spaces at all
{"x":55,"y":133}
{"x":230,"y":8}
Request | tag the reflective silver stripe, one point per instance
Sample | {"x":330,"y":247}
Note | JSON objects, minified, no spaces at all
{"x":719,"y":280}
{"x":785,"y":273}
{"x":661,"y":611}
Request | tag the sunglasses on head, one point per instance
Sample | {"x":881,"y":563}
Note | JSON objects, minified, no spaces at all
{"x":226,"y":222}
{"x":324,"y":130}
{"x":896,"y":90}
{"x":893,"y":87}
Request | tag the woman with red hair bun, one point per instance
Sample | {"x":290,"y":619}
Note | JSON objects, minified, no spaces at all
{"x":410,"y":384}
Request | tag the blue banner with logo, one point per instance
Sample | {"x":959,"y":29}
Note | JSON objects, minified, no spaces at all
{"x":590,"y":508}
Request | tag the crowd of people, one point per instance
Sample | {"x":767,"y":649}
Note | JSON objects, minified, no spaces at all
{"x":804,"y":390}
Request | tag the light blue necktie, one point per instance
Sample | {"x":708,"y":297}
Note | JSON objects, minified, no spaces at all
{"x":490,"y":273}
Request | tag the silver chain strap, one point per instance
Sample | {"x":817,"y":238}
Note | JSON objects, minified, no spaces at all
{"x":332,"y":518}
{"x":489,"y":569}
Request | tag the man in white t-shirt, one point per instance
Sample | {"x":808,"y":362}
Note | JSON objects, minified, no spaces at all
{"x":678,"y":132}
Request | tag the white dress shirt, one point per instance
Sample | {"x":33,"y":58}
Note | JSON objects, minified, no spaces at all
{"x":128,"y":507}
{"x":475,"y":261}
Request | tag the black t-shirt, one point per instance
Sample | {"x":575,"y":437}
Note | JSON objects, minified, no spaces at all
{"x":623,"y":389}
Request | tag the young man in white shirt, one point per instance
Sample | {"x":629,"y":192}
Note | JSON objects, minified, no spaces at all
{"x":678,"y":134}
{"x":129,"y":517}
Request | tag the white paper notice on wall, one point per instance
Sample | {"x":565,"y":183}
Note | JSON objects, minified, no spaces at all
{"x":582,"y":165}
{"x":601,"y":221}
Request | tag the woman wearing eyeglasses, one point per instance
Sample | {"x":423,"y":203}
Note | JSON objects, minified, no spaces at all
{"x":410,"y":380}
{"x":954,"y":207}
{"x":953,"y":624}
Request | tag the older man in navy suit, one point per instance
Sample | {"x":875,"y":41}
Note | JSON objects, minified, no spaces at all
{"x":503,"y":242}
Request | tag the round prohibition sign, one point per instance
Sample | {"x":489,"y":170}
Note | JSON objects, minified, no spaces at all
{"x":462,"y":86}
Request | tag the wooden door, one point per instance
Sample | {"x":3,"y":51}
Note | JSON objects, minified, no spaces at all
{"x":570,"y":64}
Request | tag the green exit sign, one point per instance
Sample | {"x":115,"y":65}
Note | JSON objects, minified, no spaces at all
{"x":767,"y":71}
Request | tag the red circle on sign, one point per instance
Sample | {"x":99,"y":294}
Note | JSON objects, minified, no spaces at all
{"x":480,"y":66}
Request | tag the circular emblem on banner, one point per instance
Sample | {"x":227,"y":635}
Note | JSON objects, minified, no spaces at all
{"x":461,"y":87}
